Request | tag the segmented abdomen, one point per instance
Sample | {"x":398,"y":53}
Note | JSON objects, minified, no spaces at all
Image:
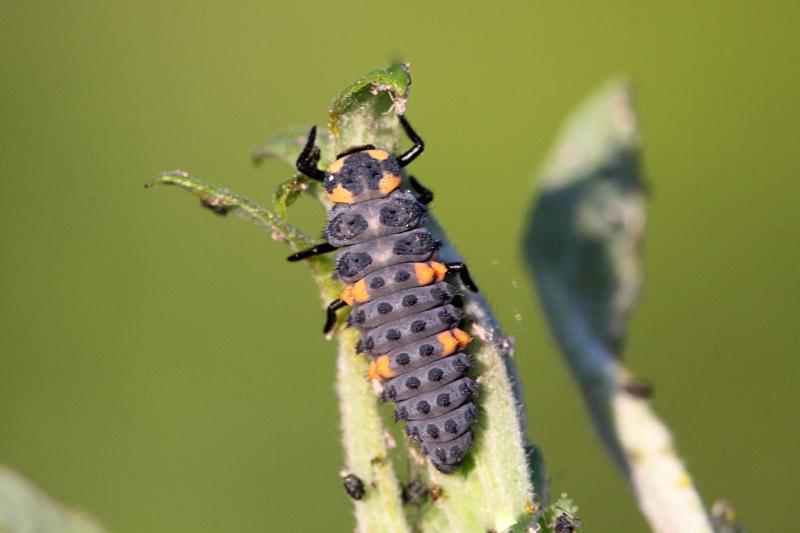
{"x":402,"y":306}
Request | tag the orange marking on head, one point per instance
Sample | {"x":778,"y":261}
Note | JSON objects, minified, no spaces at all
{"x":448,"y":341}
{"x":340,"y":195}
{"x":440,"y":269}
{"x":388,"y":183}
{"x":379,"y":368}
{"x":380,"y":155}
{"x":336,"y":166}
{"x":462,"y":337}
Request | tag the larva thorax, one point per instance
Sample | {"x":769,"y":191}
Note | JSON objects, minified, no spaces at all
{"x":401,"y":303}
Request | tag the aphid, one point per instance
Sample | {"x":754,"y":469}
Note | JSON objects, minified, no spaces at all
{"x":566,"y":523}
{"x":400,"y":301}
{"x":354,"y":486}
{"x":413,"y":491}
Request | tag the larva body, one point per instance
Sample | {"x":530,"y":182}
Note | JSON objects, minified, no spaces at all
{"x":400,"y":300}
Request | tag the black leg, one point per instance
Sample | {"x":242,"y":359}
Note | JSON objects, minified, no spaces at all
{"x":330,"y":320}
{"x":415,"y":150}
{"x":424,"y":194}
{"x":463,"y":274}
{"x":318,"y":249}
{"x":307,"y":162}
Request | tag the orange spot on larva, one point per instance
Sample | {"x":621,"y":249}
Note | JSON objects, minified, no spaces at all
{"x":462,"y":337}
{"x":440,"y":270}
{"x":379,"y":368}
{"x":340,"y":195}
{"x":380,"y":155}
{"x":355,"y":293}
{"x":336,"y":166}
{"x":424,"y":273}
{"x":388,"y":183}
{"x":448,"y":341}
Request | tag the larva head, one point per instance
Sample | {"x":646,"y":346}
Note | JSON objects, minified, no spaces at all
{"x":362,"y":175}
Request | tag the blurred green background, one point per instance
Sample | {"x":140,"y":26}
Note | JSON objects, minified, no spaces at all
{"x":162,"y":368}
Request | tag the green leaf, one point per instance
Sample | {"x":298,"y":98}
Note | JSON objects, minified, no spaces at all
{"x":24,"y":507}
{"x":589,"y":222}
{"x":222,"y":201}
{"x":366,"y":111}
{"x":584,"y":249}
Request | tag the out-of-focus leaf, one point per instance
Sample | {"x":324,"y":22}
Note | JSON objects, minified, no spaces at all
{"x":583,"y":247}
{"x":24,"y":508}
{"x":588,"y":225}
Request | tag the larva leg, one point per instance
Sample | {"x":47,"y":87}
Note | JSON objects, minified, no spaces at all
{"x":330,"y":320}
{"x":412,"y":153}
{"x":307,"y":162}
{"x":463,"y":274}
{"x":424,"y":194}
{"x":317,"y":249}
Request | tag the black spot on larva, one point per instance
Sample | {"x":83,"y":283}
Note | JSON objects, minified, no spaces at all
{"x":348,"y":178}
{"x":413,"y":432}
{"x":432,"y":431}
{"x":359,"y":317}
{"x":351,"y":263}
{"x":440,"y":454}
{"x":451,"y":426}
{"x":409,"y":300}
{"x":423,"y":407}
{"x":365,"y":344}
{"x":412,"y":383}
{"x":384,"y":307}
{"x":435,"y":374}
{"x":468,"y":388}
{"x":401,"y":276}
{"x":400,"y":413}
{"x":418,"y":326}
{"x":417,"y":243}
{"x":346,"y":226}
{"x":377,"y":282}
{"x":461,"y":365}
{"x":456,"y":452}
{"x":354,"y":486}
{"x":426,"y":349}
{"x":445,"y":317}
{"x":390,"y":393}
{"x":402,"y":212}
{"x":443,"y":400}
{"x":393,"y":335}
{"x":403,"y":359}
{"x":439,"y":295}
